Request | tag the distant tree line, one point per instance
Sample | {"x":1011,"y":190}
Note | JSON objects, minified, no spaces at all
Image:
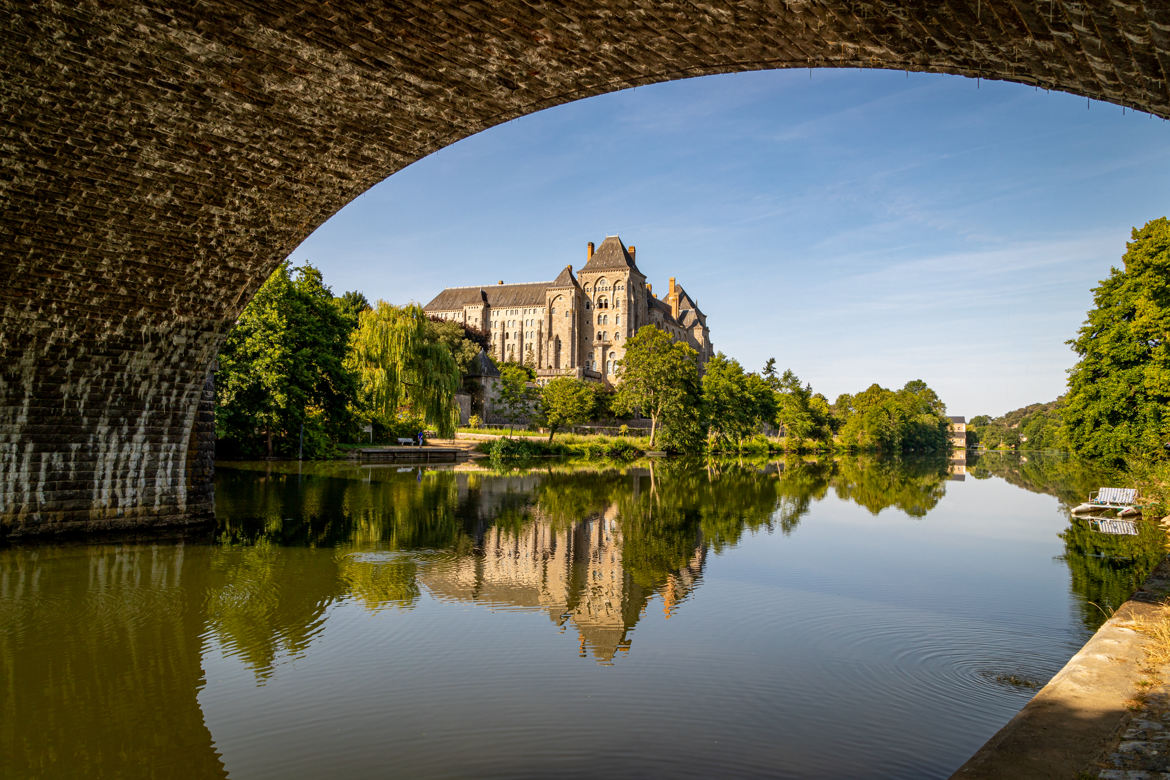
{"x":727,"y":405}
{"x":1117,"y":406}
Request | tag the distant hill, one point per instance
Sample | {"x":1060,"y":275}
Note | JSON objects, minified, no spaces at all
{"x":1032,"y":427}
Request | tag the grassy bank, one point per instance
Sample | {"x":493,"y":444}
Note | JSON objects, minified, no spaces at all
{"x":569,"y":444}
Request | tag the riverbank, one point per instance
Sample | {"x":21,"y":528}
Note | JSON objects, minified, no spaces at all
{"x":1106,"y":713}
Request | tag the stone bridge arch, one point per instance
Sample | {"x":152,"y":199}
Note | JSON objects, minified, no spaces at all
{"x":160,"y":158}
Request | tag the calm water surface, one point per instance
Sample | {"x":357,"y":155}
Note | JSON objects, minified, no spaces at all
{"x":786,"y":618}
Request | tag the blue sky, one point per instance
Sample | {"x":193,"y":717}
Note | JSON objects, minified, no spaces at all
{"x":858,"y":226}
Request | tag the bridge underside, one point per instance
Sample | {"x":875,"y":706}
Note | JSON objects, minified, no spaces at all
{"x":160,"y":159}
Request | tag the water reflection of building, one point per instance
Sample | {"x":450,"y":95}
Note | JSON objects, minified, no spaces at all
{"x":957,"y":434}
{"x":573,"y":573}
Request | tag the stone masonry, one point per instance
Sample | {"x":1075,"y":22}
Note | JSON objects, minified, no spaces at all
{"x":159,"y":160}
{"x":576,"y":325}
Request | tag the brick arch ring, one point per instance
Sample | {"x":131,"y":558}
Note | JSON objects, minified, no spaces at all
{"x":160,"y":159}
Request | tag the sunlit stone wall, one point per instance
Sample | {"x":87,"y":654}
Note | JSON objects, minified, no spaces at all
{"x":160,"y":159}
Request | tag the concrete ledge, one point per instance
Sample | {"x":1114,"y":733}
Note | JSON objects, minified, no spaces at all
{"x":1077,"y":718}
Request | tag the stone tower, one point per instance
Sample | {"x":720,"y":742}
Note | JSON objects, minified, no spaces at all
{"x":615,"y":304}
{"x":562,"y":322}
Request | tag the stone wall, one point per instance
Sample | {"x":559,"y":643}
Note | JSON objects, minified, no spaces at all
{"x":159,"y":160}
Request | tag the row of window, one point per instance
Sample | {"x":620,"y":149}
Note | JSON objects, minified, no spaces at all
{"x":602,"y":335}
{"x":610,"y":363}
{"x":603,"y":284}
{"x":603,"y":303}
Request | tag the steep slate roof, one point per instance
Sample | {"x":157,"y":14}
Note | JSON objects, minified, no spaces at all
{"x":659,"y":303}
{"x":565,"y":278}
{"x":482,"y":365}
{"x":688,"y":311}
{"x":610,"y":255}
{"x":529,"y":294}
{"x":456,"y":298}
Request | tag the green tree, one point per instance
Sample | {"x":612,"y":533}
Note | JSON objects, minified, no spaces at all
{"x":528,"y":371}
{"x":565,"y":401}
{"x":803,"y":415}
{"x":660,"y":380}
{"x":281,"y":380}
{"x":1118,"y":401}
{"x":923,"y":418}
{"x":735,"y":405}
{"x":515,"y":400}
{"x":352,"y":303}
{"x":761,"y":401}
{"x":910,"y":419}
{"x":463,"y":341}
{"x":769,"y":374}
{"x":399,"y":367}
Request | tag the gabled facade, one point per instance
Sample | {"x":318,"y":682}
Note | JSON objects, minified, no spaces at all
{"x":577,"y":325}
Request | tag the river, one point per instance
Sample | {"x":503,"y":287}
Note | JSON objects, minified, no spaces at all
{"x":783,"y":618}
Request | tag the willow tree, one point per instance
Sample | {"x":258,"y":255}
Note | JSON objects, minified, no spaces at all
{"x":398,"y":365}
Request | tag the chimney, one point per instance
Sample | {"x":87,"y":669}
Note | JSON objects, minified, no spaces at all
{"x":672,"y":298}
{"x":633,"y":251}
{"x":589,"y":251}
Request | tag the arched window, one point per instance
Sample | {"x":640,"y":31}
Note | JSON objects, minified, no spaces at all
{"x":602,"y":302}
{"x":602,"y":284}
{"x":568,"y":314}
{"x":617,"y":319}
{"x":587,"y":306}
{"x":617,"y":302}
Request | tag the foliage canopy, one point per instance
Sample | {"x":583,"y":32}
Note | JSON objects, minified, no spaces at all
{"x":1118,"y":401}
{"x":399,"y":362}
{"x":281,"y":385}
{"x":660,"y":379}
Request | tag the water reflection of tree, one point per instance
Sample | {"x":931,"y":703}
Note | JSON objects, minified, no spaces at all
{"x":1068,"y":479}
{"x":913,"y":485}
{"x":264,"y":602}
{"x":659,"y":520}
{"x":1106,"y":569}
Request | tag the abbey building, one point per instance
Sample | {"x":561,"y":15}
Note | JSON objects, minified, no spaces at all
{"x":576,"y":325}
